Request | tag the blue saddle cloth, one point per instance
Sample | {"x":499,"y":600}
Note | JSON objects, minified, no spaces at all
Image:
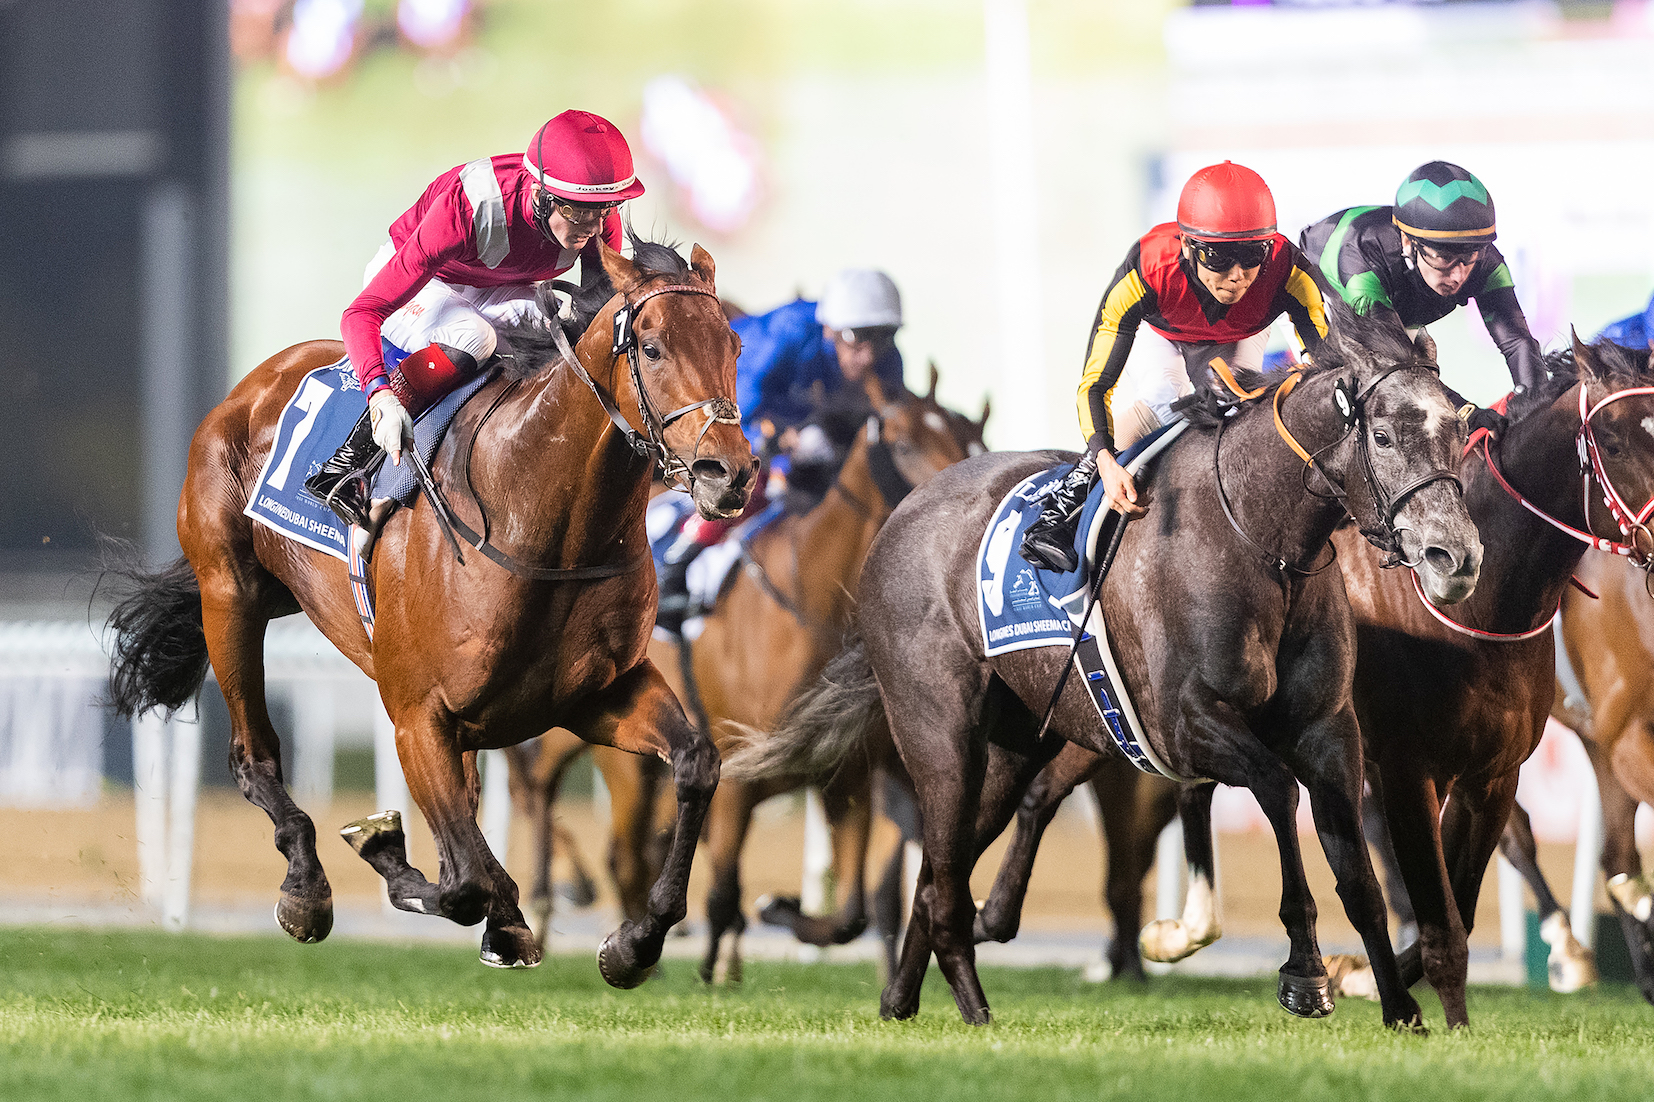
{"x":1023,"y":605}
{"x":315,"y":422}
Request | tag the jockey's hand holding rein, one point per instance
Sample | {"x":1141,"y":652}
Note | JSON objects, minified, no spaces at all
{"x":391,"y":423}
{"x":1119,"y":492}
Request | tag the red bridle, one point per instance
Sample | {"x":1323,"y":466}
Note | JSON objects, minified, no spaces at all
{"x":1633,"y":523}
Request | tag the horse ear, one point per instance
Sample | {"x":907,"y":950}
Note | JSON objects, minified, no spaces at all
{"x":1426,"y":345}
{"x":987,"y":407}
{"x":1585,"y":362}
{"x":621,"y":271}
{"x":934,"y":376}
{"x":875,"y":390}
{"x":701,"y":261}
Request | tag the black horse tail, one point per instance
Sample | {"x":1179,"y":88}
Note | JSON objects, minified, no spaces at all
{"x":834,"y":718}
{"x":160,"y":658}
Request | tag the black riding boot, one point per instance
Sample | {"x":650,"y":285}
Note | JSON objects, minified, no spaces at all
{"x":674,"y":594}
{"x":343,"y":481}
{"x":1049,"y":541}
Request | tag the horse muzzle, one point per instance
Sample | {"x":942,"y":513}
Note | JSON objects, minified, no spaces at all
{"x":719,"y":488}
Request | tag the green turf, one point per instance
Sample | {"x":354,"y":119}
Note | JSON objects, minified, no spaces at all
{"x":103,"y":1016}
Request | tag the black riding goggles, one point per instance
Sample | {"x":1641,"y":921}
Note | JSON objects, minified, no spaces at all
{"x":1220,"y":256}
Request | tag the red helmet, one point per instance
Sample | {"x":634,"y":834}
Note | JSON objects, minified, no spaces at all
{"x":582,"y":157}
{"x":1226,"y":202}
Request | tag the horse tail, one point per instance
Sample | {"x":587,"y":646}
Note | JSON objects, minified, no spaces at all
{"x":160,"y":658}
{"x":835,"y":717}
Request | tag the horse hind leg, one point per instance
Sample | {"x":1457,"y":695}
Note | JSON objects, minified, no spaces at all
{"x":1168,"y":940}
{"x":1570,"y":966}
{"x":235,"y":640}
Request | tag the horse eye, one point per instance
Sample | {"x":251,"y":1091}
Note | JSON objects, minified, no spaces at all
{"x":1381,"y":438}
{"x":651,"y":350}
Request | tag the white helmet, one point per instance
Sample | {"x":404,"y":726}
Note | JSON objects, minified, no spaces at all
{"x":860,"y":298}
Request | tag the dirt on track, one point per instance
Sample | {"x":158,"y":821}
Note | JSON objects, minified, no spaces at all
{"x":90,"y":855}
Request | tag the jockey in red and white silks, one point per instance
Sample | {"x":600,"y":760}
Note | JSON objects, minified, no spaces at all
{"x":461,"y":260}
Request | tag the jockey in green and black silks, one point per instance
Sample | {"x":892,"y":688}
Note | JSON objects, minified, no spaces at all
{"x":1424,"y":257}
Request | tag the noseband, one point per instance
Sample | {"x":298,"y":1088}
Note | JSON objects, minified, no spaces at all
{"x":1352,"y":411}
{"x":652,"y":441}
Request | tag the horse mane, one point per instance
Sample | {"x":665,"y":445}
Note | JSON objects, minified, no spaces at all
{"x":1562,"y":372}
{"x":528,"y":345}
{"x":1352,"y":340}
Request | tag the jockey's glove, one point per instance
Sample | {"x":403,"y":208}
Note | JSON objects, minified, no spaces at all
{"x":390,"y":421}
{"x":1480,"y":417}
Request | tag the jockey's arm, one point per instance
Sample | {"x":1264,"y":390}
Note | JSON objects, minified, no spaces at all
{"x":1509,"y":330}
{"x":1124,"y":305}
{"x":1300,"y":299}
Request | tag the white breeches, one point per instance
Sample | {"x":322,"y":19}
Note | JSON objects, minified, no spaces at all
{"x":459,"y":317}
{"x":1155,"y":374}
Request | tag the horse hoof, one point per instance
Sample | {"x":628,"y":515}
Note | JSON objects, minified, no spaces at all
{"x":509,"y":947}
{"x":779,"y":910}
{"x":305,"y":920}
{"x":1167,"y":940}
{"x":1351,"y":976}
{"x":892,"y":1011}
{"x":375,"y":831}
{"x":1411,"y":1027}
{"x":1305,"y":996}
{"x":618,"y":965}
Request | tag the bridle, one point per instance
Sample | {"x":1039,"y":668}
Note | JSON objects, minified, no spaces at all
{"x":1633,"y":523}
{"x":650,"y":443}
{"x":1352,"y":411}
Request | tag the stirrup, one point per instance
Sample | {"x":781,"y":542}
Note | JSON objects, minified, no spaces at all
{"x":350,"y":498}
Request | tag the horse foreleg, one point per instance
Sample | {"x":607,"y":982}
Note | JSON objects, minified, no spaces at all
{"x":1329,"y":763}
{"x":1571,"y":966}
{"x":638,"y":713}
{"x":1413,"y":810}
{"x":1168,"y":940}
{"x":1472,"y":825}
{"x":631,"y":781}
{"x":1629,"y":891}
{"x":235,"y":642}
{"x":1001,"y":915}
{"x":727,"y":823}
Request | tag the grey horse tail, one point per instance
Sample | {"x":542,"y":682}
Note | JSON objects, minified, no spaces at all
{"x":832,"y":720}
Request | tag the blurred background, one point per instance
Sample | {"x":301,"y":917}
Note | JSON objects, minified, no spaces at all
{"x":187,"y":187}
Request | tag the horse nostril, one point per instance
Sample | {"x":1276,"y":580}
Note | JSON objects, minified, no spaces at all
{"x":710,"y":470}
{"x":744,"y":475}
{"x":1441,"y":561}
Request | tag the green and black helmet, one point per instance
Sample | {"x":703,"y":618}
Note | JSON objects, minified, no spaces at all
{"x":1442,"y":204}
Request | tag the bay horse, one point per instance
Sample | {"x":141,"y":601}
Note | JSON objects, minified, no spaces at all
{"x":1455,"y":706}
{"x":1610,"y":644}
{"x":547,"y":628}
{"x":782,"y":617}
{"x":1239,"y":659}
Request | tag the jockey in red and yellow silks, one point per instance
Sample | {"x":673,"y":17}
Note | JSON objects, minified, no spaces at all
{"x":1211,"y":284}
{"x":462,"y":259}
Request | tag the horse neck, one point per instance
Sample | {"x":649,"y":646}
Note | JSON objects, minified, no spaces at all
{"x":552,"y":468}
{"x":1526,"y":561}
{"x":835,"y":535}
{"x":1264,"y":478}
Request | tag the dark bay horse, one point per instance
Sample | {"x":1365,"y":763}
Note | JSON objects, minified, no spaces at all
{"x":782,"y":617}
{"x":1455,"y":710}
{"x":477,"y":655}
{"x":1239,"y":659}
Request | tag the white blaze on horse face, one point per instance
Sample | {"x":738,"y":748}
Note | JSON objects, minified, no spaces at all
{"x":936,"y":421}
{"x":1648,"y":425}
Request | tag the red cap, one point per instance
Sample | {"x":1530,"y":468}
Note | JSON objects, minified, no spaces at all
{"x":1226,"y":202}
{"x":584,"y":158}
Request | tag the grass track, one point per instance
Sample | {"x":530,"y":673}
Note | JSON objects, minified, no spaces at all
{"x":99,"y":1016}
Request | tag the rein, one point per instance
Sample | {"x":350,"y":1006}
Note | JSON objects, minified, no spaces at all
{"x":1632,"y":524}
{"x":650,"y":443}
